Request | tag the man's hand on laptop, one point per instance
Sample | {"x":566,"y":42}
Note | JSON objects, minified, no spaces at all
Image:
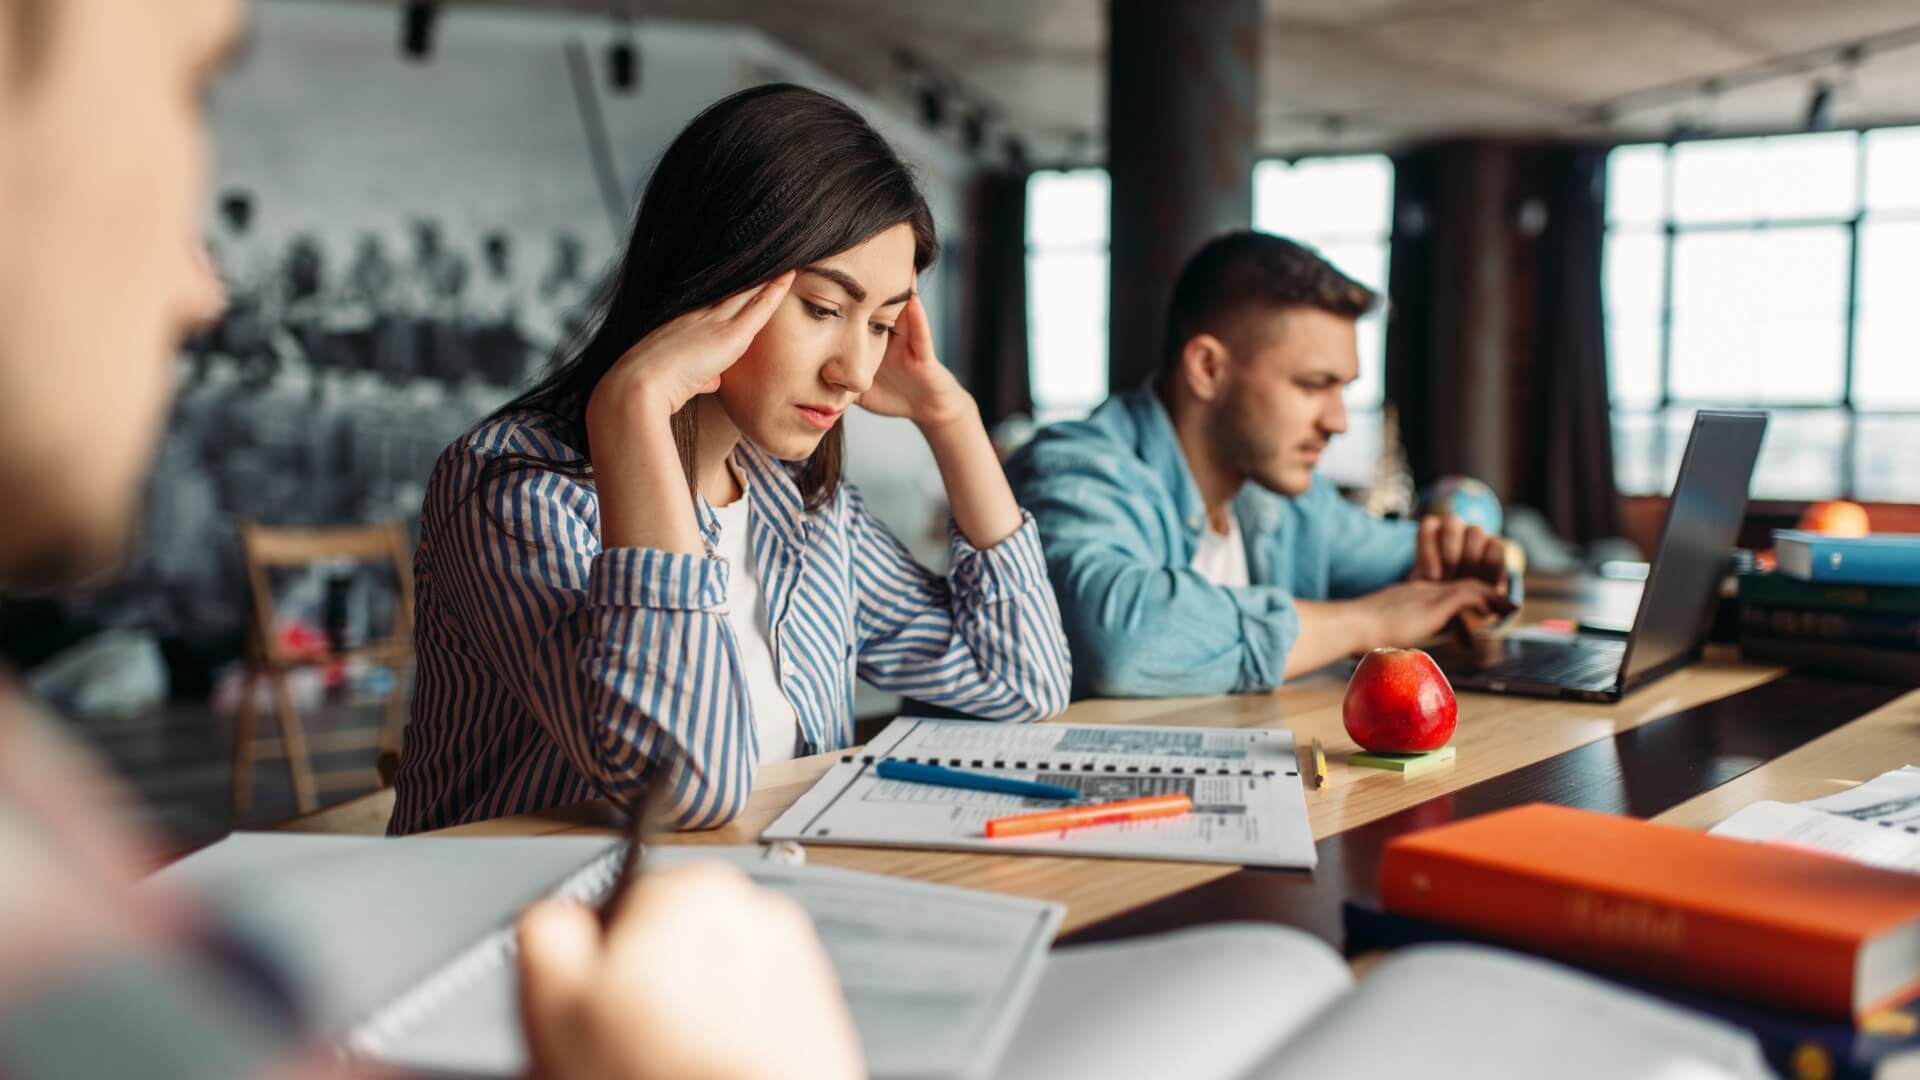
{"x":1447,"y":548}
{"x":1413,"y":611}
{"x":1405,"y":614}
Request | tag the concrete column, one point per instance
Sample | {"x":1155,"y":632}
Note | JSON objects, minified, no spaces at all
{"x":1182,"y":105}
{"x":1465,"y":324}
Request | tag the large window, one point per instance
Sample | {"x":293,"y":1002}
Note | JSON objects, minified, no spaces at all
{"x":1341,"y":205}
{"x":1344,"y":207}
{"x":1067,"y":292}
{"x":1773,"y":273}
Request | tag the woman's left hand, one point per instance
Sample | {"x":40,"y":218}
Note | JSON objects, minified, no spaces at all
{"x":912,"y":382}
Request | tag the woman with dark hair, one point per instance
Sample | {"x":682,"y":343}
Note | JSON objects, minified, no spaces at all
{"x":647,"y":572}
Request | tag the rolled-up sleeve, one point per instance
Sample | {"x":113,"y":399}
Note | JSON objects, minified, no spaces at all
{"x":1139,"y":626}
{"x":622,"y":655}
{"x":985,"y":638}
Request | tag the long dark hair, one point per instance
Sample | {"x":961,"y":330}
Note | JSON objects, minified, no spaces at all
{"x":762,"y":181}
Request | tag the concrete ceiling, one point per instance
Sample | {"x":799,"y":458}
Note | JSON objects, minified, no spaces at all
{"x":1377,"y":73}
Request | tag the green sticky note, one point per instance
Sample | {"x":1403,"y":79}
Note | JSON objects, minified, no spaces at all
{"x":1410,"y":764}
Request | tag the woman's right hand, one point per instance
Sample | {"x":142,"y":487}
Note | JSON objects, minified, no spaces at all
{"x":683,"y":359}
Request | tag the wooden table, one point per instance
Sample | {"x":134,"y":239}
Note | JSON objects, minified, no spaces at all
{"x":1689,"y":749}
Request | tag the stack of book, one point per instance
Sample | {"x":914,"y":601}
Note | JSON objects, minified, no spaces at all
{"x":1846,"y":606}
{"x":1799,"y":947}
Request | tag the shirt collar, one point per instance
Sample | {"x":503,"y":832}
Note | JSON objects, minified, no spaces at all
{"x":1159,"y":447}
{"x":772,"y":495}
{"x":773,"y":498}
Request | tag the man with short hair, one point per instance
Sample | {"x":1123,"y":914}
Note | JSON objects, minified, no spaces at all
{"x":102,"y":171}
{"x":1193,"y":547}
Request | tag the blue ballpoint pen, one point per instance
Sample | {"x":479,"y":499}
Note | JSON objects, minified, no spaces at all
{"x":945,"y":777}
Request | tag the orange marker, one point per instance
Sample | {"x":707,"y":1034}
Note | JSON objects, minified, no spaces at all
{"x":1076,"y":817}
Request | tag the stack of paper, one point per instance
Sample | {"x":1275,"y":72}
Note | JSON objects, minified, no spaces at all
{"x":1249,"y":807}
{"x":1877,"y":823}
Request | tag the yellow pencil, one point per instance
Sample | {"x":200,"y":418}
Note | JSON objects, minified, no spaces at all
{"x":1319,"y":764}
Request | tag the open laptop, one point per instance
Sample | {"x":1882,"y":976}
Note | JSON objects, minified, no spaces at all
{"x":1677,"y":604}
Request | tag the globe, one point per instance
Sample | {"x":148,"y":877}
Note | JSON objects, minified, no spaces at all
{"x":1465,"y":498}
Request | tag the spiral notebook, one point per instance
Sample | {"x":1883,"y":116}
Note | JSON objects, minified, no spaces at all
{"x":402,"y":949}
{"x":1249,"y":806}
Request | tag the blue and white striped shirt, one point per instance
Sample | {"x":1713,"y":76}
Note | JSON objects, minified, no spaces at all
{"x":552,"y":670}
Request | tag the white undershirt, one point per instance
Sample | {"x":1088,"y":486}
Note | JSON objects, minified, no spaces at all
{"x":773,"y":715}
{"x":1221,"y":557}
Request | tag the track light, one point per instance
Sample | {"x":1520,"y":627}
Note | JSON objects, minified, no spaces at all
{"x":1820,"y":107}
{"x":973,"y":131}
{"x":933,"y":106}
{"x":416,"y":29}
{"x":623,"y":66}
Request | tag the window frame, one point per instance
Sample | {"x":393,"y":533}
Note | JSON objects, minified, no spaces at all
{"x":1670,"y":230}
{"x":1383,"y":239}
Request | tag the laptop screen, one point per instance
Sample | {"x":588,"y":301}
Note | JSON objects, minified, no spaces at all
{"x":1703,"y":520}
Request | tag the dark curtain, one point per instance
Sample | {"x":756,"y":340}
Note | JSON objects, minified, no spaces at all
{"x":1574,"y":485}
{"x":998,"y":374}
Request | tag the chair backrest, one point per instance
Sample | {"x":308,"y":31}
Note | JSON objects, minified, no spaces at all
{"x":267,"y":547}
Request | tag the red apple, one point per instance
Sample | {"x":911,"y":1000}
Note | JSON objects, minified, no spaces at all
{"x":1398,"y":702}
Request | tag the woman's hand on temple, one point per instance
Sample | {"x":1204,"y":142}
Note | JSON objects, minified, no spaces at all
{"x":684,"y":358}
{"x":912,"y":382}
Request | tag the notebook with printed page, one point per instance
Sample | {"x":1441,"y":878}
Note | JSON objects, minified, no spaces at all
{"x":1249,"y":806}
{"x":402,"y":950}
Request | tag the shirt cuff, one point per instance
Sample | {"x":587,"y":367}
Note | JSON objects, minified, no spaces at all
{"x":1012,"y":567}
{"x":1269,"y":625}
{"x":651,"y":578}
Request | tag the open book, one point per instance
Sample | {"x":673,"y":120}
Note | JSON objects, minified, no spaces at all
{"x":1877,"y":823}
{"x":403,"y":948}
{"x":1249,"y":807}
{"x":397,"y":946}
{"x":1245,"y":1001}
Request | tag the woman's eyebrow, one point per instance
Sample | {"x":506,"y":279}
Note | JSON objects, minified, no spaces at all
{"x":840,"y":278}
{"x":853,"y":287}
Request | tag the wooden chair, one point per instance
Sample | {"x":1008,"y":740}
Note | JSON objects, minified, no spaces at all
{"x":268,"y":549}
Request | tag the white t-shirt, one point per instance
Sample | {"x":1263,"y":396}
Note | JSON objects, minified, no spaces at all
{"x":773,"y":715}
{"x":1222,"y":557}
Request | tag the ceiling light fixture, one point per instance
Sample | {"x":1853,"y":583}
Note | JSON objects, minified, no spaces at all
{"x":623,"y":53}
{"x":1820,"y":106}
{"x":416,"y":29}
{"x":1016,"y":150}
{"x":933,"y":106}
{"x":973,"y":131}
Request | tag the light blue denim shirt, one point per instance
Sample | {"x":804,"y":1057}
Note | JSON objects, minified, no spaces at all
{"x":1120,"y":517}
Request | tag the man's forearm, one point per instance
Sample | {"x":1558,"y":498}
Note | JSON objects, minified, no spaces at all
{"x":1329,"y":630}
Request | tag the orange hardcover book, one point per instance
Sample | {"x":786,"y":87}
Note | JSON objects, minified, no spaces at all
{"x":1770,"y":924}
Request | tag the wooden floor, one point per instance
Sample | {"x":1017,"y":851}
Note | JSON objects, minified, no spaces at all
{"x":179,"y":760}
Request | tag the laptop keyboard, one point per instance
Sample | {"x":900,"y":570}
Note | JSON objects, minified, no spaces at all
{"x":1582,"y":664}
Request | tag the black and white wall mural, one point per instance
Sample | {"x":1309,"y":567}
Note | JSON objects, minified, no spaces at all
{"x":405,"y":241}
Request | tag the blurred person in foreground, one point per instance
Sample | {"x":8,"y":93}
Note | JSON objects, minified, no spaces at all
{"x":102,"y":177}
